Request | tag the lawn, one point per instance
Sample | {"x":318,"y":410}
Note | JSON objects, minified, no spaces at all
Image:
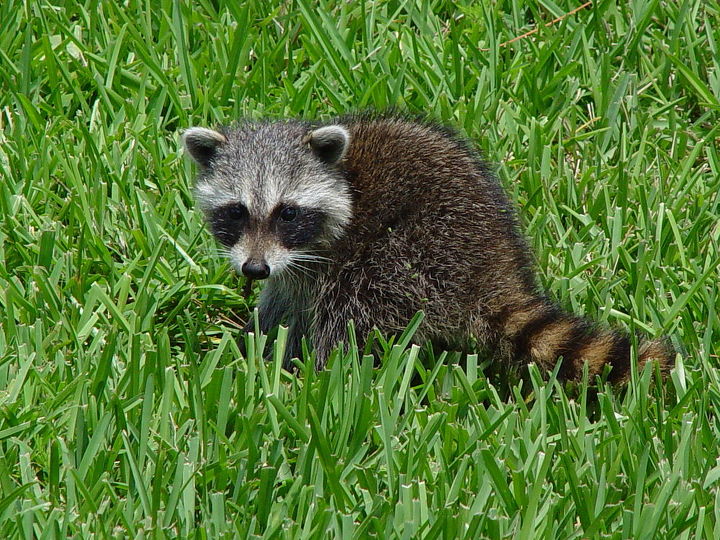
{"x":126,"y":406}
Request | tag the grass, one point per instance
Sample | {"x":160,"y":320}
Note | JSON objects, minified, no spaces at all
{"x":126,"y":408}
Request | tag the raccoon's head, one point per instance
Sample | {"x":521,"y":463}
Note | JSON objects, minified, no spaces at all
{"x":274,"y":194}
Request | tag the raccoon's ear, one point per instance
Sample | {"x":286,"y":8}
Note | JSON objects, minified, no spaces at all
{"x":202,"y":144}
{"x":329,"y":143}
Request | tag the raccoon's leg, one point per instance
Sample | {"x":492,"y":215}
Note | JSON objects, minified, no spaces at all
{"x":272,"y":306}
{"x":541,"y":332}
{"x":297,"y":328}
{"x":329,"y":329}
{"x":335,"y":305}
{"x":277,"y":306}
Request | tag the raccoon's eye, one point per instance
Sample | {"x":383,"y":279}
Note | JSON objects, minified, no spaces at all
{"x":236,"y":212}
{"x":288,"y":213}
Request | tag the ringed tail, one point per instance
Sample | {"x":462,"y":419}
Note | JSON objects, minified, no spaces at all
{"x":542,"y":333}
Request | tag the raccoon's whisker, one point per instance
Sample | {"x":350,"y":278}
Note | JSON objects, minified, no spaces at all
{"x":309,"y":257}
{"x":307,"y":272}
{"x":221,"y":255}
{"x":298,"y":262}
{"x":313,"y":257}
{"x":313,"y":266}
{"x":308,"y":264}
{"x":292,"y":276}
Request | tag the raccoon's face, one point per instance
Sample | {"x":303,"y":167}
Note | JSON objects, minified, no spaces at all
{"x":273,"y":194}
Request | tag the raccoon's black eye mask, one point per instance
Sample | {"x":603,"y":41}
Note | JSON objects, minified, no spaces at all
{"x":297,"y":227}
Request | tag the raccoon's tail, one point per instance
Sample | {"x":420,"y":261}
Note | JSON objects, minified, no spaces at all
{"x":541,"y":332}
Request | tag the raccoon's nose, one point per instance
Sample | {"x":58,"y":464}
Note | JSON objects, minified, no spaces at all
{"x":255,"y":269}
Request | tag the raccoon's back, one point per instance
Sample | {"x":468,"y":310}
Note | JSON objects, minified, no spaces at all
{"x":421,"y":180}
{"x":398,"y":166}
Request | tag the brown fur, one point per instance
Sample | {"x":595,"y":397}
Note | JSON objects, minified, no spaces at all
{"x":432,"y":230}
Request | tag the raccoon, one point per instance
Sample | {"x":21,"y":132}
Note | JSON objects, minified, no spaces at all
{"x":372,"y":218}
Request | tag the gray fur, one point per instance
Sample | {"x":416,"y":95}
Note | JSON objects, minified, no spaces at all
{"x":412,"y":220}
